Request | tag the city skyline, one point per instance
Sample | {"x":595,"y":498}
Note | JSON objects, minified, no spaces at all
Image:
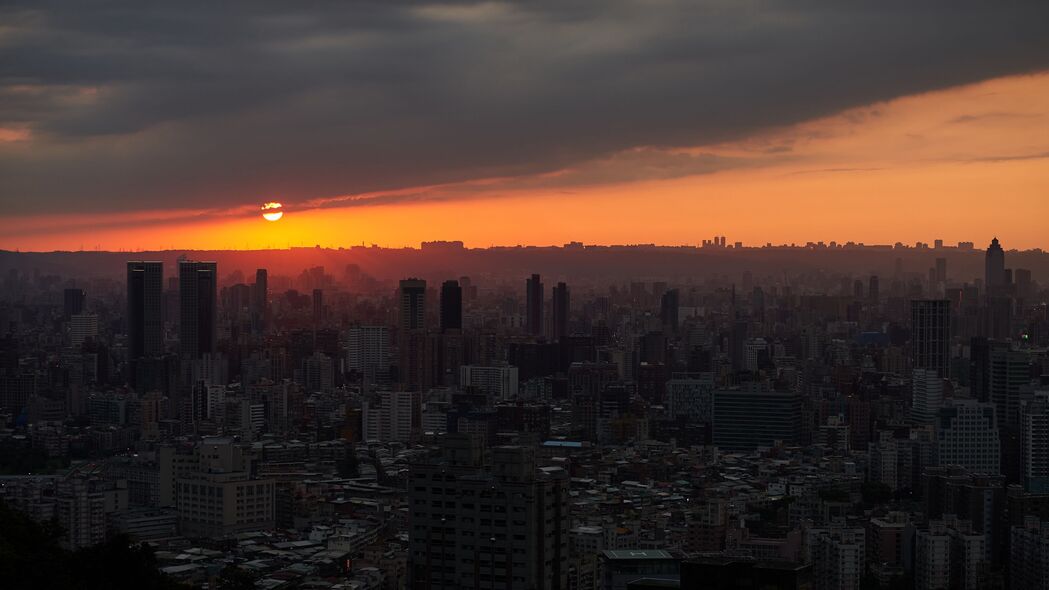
{"x":494,"y":295}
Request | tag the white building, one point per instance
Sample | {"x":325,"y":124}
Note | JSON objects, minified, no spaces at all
{"x":498,"y":383}
{"x":837,"y":556}
{"x":391,"y":416}
{"x":947,"y":554}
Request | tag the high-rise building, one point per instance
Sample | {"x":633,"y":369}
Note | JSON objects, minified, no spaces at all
{"x":392,"y":416}
{"x":220,"y":496}
{"x":498,"y":383}
{"x":1009,"y":372}
{"x":948,"y":554}
{"x":73,"y":302}
{"x":872,"y":289}
{"x":197,"y":283}
{"x":451,"y":306}
{"x":926,"y":395}
{"x":967,"y":436}
{"x":260,"y":300}
{"x":413,"y":305}
{"x":561,"y":311}
{"x":1029,"y":554}
{"x":497,"y":523}
{"x":931,"y":335}
{"x":1034,"y":444}
{"x":941,"y":270}
{"x":318,"y":307}
{"x":82,"y":327}
{"x":994,"y":277}
{"x":534,"y":305}
{"x":668,"y":310}
{"x":368,"y":353}
{"x":145,"y":283}
{"x":838,"y":556}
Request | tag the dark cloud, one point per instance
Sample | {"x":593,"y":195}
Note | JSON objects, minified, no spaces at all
{"x":135,"y":105}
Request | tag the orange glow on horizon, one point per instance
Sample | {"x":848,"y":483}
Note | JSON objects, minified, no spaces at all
{"x":960,"y":164}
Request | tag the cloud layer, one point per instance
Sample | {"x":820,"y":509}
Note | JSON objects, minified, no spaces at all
{"x":135,"y":106}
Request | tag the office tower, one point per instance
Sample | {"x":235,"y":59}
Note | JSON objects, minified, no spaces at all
{"x":451,"y":306}
{"x":561,"y":310}
{"x":738,"y":344}
{"x":872,"y":288}
{"x":668,"y":310}
{"x":534,"y":306}
{"x":745,"y":420}
{"x":1029,"y":554}
{"x":413,"y":344}
{"x":72,"y":302}
{"x":691,"y":397}
{"x":994,"y":262}
{"x":931,"y":335}
{"x":260,"y":300}
{"x":926,"y":395}
{"x":392,"y":416}
{"x":1008,"y":372}
{"x":318,"y":307}
{"x":145,"y":283}
{"x":260,"y":291}
{"x":477,"y":523}
{"x":82,"y":327}
{"x":497,"y":383}
{"x":967,"y":436}
{"x":941,"y":270}
{"x":1034,"y":444}
{"x":1024,"y":288}
{"x":197,"y":296}
{"x":837,"y":556}
{"x":368,"y":353}
{"x":413,"y":305}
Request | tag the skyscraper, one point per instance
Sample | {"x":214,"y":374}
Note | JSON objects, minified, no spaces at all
{"x":318,"y":307}
{"x":561,"y":304}
{"x":995,"y":268}
{"x":260,"y":299}
{"x":668,"y":310}
{"x":451,"y":306}
{"x":534,"y":306}
{"x":497,"y":523}
{"x":413,"y":304}
{"x":931,"y":335}
{"x":926,"y":395}
{"x":197,"y":296}
{"x":145,"y":282}
{"x":72,"y":302}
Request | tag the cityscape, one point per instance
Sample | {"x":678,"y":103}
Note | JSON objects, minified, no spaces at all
{"x":491,"y":295}
{"x":335,"y":428}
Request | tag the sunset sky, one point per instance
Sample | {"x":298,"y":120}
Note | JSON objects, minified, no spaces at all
{"x":497,"y":124}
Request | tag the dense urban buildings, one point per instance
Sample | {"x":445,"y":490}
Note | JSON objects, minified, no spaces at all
{"x":345,"y":427}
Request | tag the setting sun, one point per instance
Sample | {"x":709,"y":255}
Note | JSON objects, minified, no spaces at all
{"x":272,"y":211}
